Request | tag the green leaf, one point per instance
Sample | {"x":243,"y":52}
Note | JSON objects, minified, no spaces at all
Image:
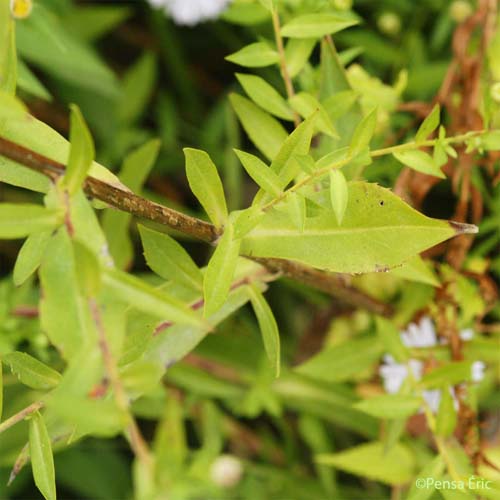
{"x":428,"y":126}
{"x":44,"y":41}
{"x":255,"y":55}
{"x":30,"y":256}
{"x":245,"y":220}
{"x":139,"y":295}
{"x":42,"y":461}
{"x":27,"y":81}
{"x":32,"y":372}
{"x":339,"y":194}
{"x":266,"y":96}
{"x":268,"y":327}
{"x":206,"y":185}
{"x":88,"y":271}
{"x":262,"y":129}
{"x":297,"y":143}
{"x":446,"y":419}
{"x":306,"y":104}
{"x":220,"y":271}
{"x":419,"y":161}
{"x":390,"y":337}
{"x":138,"y":85}
{"x":370,"y":460}
{"x":1,"y":390}
{"x":451,"y":373}
{"x":379,"y":231}
{"x":21,"y":220}
{"x":390,"y":406}
{"x":101,"y":418}
{"x":260,"y":173}
{"x":432,"y":470}
{"x":297,"y":53}
{"x":8,"y":56}
{"x":316,"y":25}
{"x":416,"y":269}
{"x":297,"y":209}
{"x":342,"y":362}
{"x":64,"y":314}
{"x":363,"y":133}
{"x":115,"y":223}
{"x":81,"y":154}
{"x":168,"y":259}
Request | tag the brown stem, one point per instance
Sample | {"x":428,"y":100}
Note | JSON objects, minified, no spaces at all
{"x":139,"y":446}
{"x":21,"y":415}
{"x":126,"y":201}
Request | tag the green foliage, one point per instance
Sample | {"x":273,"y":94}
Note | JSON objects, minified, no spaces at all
{"x":126,"y":317}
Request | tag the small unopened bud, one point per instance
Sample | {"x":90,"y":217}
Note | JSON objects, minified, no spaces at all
{"x":460,"y":10}
{"x":342,"y":4}
{"x":495,"y":92}
{"x":389,"y":23}
{"x":226,"y":471}
{"x":21,"y":9}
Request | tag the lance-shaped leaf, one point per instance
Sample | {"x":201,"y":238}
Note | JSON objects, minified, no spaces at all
{"x":268,"y":327}
{"x":21,"y":220}
{"x":255,"y":55}
{"x":371,"y":460}
{"x":260,"y":173}
{"x":220,"y":271}
{"x":266,"y":96}
{"x":139,"y":295}
{"x":30,"y":256}
{"x":428,"y":126}
{"x":168,"y":259}
{"x":81,"y":153}
{"x":8,"y":56}
{"x":296,"y":204}
{"x":379,"y":231}
{"x":339,"y":194}
{"x":32,"y":372}
{"x":306,"y":104}
{"x":419,"y":161}
{"x":1,"y":390}
{"x":206,"y":185}
{"x":297,"y":54}
{"x":363,"y":133}
{"x":446,"y":420}
{"x":42,"y":460}
{"x":416,"y":269}
{"x":264,"y":131}
{"x":316,"y":25}
{"x":390,"y":406}
{"x":133,"y":174}
{"x":64,"y":314}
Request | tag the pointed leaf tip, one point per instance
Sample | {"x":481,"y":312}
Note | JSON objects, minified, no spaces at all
{"x":463,"y":228}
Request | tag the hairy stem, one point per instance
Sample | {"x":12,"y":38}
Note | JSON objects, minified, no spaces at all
{"x":140,"y":207}
{"x":21,"y":415}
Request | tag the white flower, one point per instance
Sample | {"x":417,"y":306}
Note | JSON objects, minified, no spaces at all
{"x":477,"y":371}
{"x":226,"y":471}
{"x":191,"y":12}
{"x":420,"y":335}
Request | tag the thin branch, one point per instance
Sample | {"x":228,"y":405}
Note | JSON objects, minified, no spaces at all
{"x":137,"y":442}
{"x":140,"y":207}
{"x":114,"y":196}
{"x":21,"y":415}
{"x":283,"y":67}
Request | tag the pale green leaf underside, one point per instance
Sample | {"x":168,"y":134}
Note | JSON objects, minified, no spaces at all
{"x":32,"y":372}
{"x":379,"y":231}
{"x":371,"y":460}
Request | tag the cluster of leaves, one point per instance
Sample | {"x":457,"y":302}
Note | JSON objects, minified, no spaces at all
{"x":89,"y":346}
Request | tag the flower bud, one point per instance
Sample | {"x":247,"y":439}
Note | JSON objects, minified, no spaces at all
{"x":226,"y":471}
{"x":21,"y":9}
{"x":389,"y":23}
{"x":460,"y":10}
